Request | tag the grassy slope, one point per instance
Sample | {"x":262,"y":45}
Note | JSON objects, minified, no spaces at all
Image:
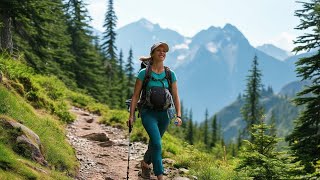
{"x":40,"y":103}
{"x":58,"y":152}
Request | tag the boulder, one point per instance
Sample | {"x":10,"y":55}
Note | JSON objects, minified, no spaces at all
{"x":26,"y":142}
{"x":101,"y":137}
{"x":89,"y":120}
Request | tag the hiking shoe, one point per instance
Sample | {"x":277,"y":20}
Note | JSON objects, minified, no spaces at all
{"x":145,"y":171}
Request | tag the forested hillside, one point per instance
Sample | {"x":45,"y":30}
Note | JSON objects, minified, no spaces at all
{"x":278,"y":108}
{"x":54,"y":38}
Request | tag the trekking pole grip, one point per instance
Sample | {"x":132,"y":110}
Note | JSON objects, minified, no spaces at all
{"x":130,"y":128}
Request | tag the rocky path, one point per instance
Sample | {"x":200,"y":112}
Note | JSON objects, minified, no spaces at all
{"x":103,"y":150}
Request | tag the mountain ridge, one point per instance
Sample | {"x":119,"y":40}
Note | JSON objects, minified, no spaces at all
{"x":274,"y":51}
{"x":215,"y":60}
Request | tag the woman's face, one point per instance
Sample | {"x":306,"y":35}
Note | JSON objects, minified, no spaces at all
{"x":159,"y":54}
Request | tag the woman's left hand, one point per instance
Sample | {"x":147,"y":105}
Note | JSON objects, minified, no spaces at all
{"x":178,"y":121}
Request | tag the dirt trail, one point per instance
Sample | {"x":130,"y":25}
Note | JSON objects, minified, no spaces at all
{"x":103,"y":150}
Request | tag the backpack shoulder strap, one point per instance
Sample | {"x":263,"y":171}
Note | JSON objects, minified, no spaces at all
{"x":168,"y":76}
{"x":147,"y":77}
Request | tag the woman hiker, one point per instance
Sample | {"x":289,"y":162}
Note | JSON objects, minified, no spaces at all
{"x":155,"y":109}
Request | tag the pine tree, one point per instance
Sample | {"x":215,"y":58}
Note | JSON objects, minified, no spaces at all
{"x":110,"y":57}
{"x":214,"y":134}
{"x":190,"y":131}
{"x":233,"y":150}
{"x":239,"y":97}
{"x":184,"y":115}
{"x":109,"y":35}
{"x":239,"y":140}
{"x":259,"y":159}
{"x":270,"y":90}
{"x":252,"y":111}
{"x":40,"y":34}
{"x":206,"y":129}
{"x":109,"y":39}
{"x":121,"y":65}
{"x":273,"y":128}
{"x":130,"y":75}
{"x":122,"y":82}
{"x":88,"y":65}
{"x":305,"y":139}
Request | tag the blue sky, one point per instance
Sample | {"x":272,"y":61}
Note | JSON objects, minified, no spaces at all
{"x":261,"y":21}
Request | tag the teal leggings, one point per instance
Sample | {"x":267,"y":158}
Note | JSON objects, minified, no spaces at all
{"x":155,"y":123}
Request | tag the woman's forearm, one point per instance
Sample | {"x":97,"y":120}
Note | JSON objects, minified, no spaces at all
{"x":133,"y":106}
{"x":135,"y":97}
{"x":176,"y":101}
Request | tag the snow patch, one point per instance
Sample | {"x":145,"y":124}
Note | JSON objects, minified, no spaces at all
{"x":212,"y":47}
{"x":180,"y":46}
{"x":184,"y":45}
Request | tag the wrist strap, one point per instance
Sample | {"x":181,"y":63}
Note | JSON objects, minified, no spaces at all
{"x":179,"y":117}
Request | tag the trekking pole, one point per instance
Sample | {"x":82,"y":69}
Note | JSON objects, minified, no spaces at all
{"x":130,"y":129}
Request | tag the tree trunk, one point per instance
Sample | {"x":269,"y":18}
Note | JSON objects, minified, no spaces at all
{"x":5,"y":32}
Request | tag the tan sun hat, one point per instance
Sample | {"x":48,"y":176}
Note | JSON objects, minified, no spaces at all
{"x":153,"y":47}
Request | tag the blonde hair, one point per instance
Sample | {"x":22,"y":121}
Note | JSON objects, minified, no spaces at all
{"x":145,"y":58}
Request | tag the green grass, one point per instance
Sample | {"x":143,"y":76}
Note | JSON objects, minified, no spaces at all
{"x":14,"y":167}
{"x":57,"y":151}
{"x":42,"y":104}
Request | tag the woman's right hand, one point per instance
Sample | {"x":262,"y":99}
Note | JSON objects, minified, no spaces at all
{"x":130,"y":121}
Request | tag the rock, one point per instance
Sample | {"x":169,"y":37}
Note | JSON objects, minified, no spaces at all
{"x":183,"y":171}
{"x":106,"y":144}
{"x":28,"y":142}
{"x":168,"y":161}
{"x":85,"y":114}
{"x":25,"y":145}
{"x":108,"y":178}
{"x":181,"y":178}
{"x":104,"y":155}
{"x":101,"y":163}
{"x":90,"y":120}
{"x":101,"y":137}
{"x":194,"y":177}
